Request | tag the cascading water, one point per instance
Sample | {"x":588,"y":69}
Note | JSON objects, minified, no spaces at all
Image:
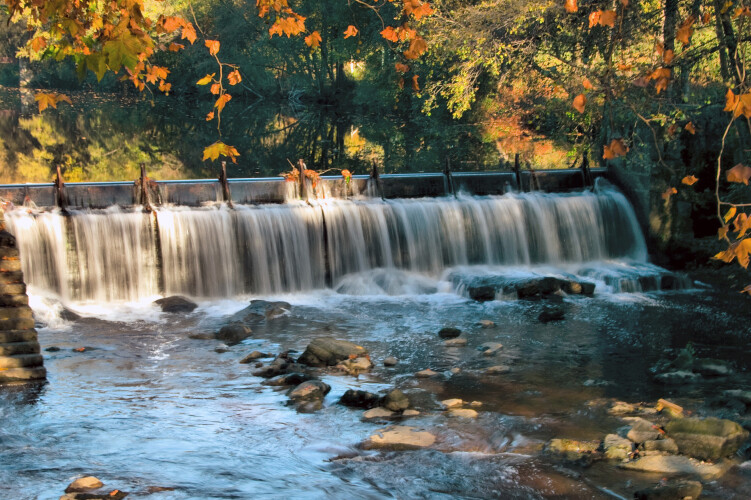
{"x":220,"y":252}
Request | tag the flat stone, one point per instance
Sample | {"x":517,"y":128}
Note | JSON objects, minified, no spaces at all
{"x":452,"y":403}
{"x":310,"y":390}
{"x":616,"y":447}
{"x":449,"y":332}
{"x":678,"y":464}
{"x":410,"y":413}
{"x":23,"y":374}
{"x":455,"y":370}
{"x":17,"y":324}
{"x":15,"y":312}
{"x":254,"y":356}
{"x":427,"y":373}
{"x":462,"y":413}
{"x":84,"y":484}
{"x":498,"y":370}
{"x":14,"y":300}
{"x":395,"y":400}
{"x":25,"y":335}
{"x":390,"y":361}
{"x":643,"y":430}
{"x":378,"y":413}
{"x":621,"y":408}
{"x":486,"y":323}
{"x":327,"y":351}
{"x":21,"y":361}
{"x":399,"y":437}
{"x":680,"y":490}
{"x":457,"y":342}
{"x":708,"y":438}
{"x":490,"y":348}
{"x":666,"y":445}
{"x":11,"y":349}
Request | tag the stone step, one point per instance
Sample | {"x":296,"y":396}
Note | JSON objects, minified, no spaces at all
{"x":14,"y":289}
{"x":15,"y":312}
{"x":16,"y":324}
{"x":13,"y":348}
{"x":21,"y":361}
{"x":11,"y":277}
{"x":22,"y":374}
{"x":25,"y":335}
{"x":10,"y":265}
{"x":9,"y":253}
{"x":14,"y":300}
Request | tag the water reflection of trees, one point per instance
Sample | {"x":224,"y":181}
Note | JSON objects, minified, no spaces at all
{"x":105,"y":138}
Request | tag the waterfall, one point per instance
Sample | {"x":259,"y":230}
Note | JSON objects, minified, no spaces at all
{"x":216,"y":251}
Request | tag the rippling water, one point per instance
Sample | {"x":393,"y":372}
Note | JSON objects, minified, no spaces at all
{"x":149,"y":406}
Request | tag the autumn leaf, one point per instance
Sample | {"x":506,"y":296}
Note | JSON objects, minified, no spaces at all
{"x":390,"y":34}
{"x":206,"y":79}
{"x":659,"y":48}
{"x":50,"y":100}
{"x":170,"y":24}
{"x":234,"y":77}
{"x":624,"y":3}
{"x":722,"y":233}
{"x":174,"y":47}
{"x":417,"y":47}
{"x":222,"y":101}
{"x":313,"y":40}
{"x":729,"y":215}
{"x":739,"y":173}
{"x":747,"y":290}
{"x":216,"y":89}
{"x":220,"y":149}
{"x":350,"y":31}
{"x":624,"y":67}
{"x":690,"y":127}
{"x":415,"y":85}
{"x":731,"y":101}
{"x":668,"y":193}
{"x":744,"y":11}
{"x":738,"y":250}
{"x":685,"y":30}
{"x":213,"y":46}
{"x":587,"y":84}
{"x":38,"y":44}
{"x":741,"y":224}
{"x":210,"y":116}
{"x":579,"y":102}
{"x":668,"y":56}
{"x":189,"y":33}
{"x":615,"y":149}
{"x":401,"y":68}
{"x":347,"y":175}
{"x":571,"y":6}
{"x":417,"y":8}
{"x":165,"y":87}
{"x":602,"y":18}
{"x":689,"y":180}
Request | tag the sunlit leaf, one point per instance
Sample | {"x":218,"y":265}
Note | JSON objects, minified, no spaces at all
{"x":417,"y":47}
{"x":690,"y":128}
{"x":174,"y":47}
{"x":189,"y":33}
{"x":218,"y":149}
{"x":234,"y":77}
{"x":741,"y":224}
{"x":668,"y":56}
{"x":722,"y":233}
{"x":668,"y":193}
{"x":739,"y":250}
{"x":615,"y":149}
{"x":415,"y":85}
{"x":729,"y":215}
{"x":685,"y":30}
{"x":571,"y":6}
{"x":313,"y":40}
{"x":747,"y":290}
{"x":51,"y":100}
{"x":213,"y":46}
{"x":579,"y":103}
{"x":401,"y":68}
{"x":38,"y":44}
{"x":215,"y":89}
{"x":347,"y":175}
{"x":206,"y":79}
{"x":350,"y":31}
{"x":587,"y":84}
{"x":222,"y":101}
{"x":689,"y":180}
{"x":390,"y":34}
{"x":210,"y":117}
{"x":739,"y":173}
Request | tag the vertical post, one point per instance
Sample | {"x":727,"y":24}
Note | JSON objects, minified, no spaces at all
{"x":145,"y":189}
{"x":517,"y":173}
{"x":586,"y":173}
{"x":225,"y":185}
{"x":301,"y":168}
{"x":376,"y":177}
{"x":449,"y":178}
{"x":61,"y":199}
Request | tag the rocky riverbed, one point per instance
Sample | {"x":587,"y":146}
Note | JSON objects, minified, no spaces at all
{"x":424,"y":396}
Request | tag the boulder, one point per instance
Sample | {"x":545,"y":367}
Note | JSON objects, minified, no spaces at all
{"x":666,"y":445}
{"x":378,"y":413}
{"x":457,"y":342}
{"x":309,"y":391}
{"x":260,"y":310}
{"x":359,"y":399}
{"x":677,"y":377}
{"x":551,"y":313}
{"x":410,"y":413}
{"x":254,"y":356}
{"x":294,"y":378}
{"x":395,"y":400}
{"x":616,"y":447}
{"x":176,"y":304}
{"x":708,"y":438}
{"x":68,"y":315}
{"x":84,"y":484}
{"x":575,"y":451}
{"x":399,"y":437}
{"x":279,"y":366}
{"x":390,"y":361}
{"x":482,"y":293}
{"x":449,"y":332}
{"x":355,"y":366}
{"x":678,"y":464}
{"x":327,"y":351}
{"x":643,"y":430}
{"x":678,"y":490}
{"x":233,"y":333}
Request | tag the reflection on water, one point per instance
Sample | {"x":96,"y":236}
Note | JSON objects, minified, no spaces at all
{"x":104,"y":138}
{"x":151,"y":407}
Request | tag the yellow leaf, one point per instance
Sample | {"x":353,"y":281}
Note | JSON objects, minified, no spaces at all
{"x":206,"y":79}
{"x":46,"y":100}
{"x":722,"y":233}
{"x":350,"y":31}
{"x":220,"y":149}
{"x":689,"y":180}
{"x":729,"y":215}
{"x":579,"y":103}
{"x":213,"y":46}
{"x":741,"y":224}
{"x":38,"y":44}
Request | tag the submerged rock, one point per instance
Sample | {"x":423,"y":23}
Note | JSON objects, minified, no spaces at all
{"x":486,"y":323}
{"x":399,"y":437}
{"x":294,"y":378}
{"x":355,"y":366}
{"x":309,"y":391}
{"x":449,"y":332}
{"x":359,"y":399}
{"x":175,"y":304}
{"x":706,"y":439}
{"x":327,"y":351}
{"x":498,"y":370}
{"x":233,"y":333}
{"x":279,"y":366}
{"x":677,"y":377}
{"x":395,"y":400}
{"x":712,"y":367}
{"x":462,"y":413}
{"x":666,"y":445}
{"x":643,"y":430}
{"x":260,"y":310}
{"x":452,"y":403}
{"x":671,"y":491}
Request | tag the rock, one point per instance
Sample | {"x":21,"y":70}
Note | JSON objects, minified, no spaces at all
{"x":476,"y":404}
{"x":498,"y":370}
{"x":399,"y":437}
{"x":449,"y":332}
{"x":621,"y":408}
{"x":309,"y":391}
{"x":327,"y":351}
{"x":666,"y":445}
{"x":294,"y":378}
{"x":462,"y":413}
{"x":671,"y":491}
{"x":712,"y":368}
{"x":643,"y":430}
{"x":529,"y":289}
{"x":551,"y":313}
{"x":111,"y":495}
{"x":84,"y":484}
{"x":410,"y":413}
{"x":176,"y":304}
{"x":221,"y":349}
{"x":390,"y":361}
{"x":359,"y":399}
{"x":486,"y":323}
{"x":427,"y":373}
{"x":482,"y":293}
{"x":677,"y":377}
{"x":254,"y":356}
{"x":355,"y":366}
{"x":378,"y":413}
{"x":455,"y":370}
{"x":740,"y":395}
{"x":395,"y":400}
{"x":202,"y":336}
{"x":68,"y":315}
{"x":452,"y":403}
{"x":490,"y":348}
{"x":587,"y":288}
{"x":457,"y":342}
{"x":616,"y":447}
{"x":706,"y":439}
{"x":568,"y":449}
{"x":279,"y":366}
{"x":233,"y":333}
{"x":678,"y":464}
{"x":669,"y":408}
{"x":52,"y":349}
{"x":260,"y":310}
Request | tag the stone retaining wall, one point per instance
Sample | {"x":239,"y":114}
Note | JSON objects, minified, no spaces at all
{"x":19,"y":350}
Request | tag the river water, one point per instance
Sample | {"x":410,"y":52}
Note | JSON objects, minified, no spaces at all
{"x":152,"y":410}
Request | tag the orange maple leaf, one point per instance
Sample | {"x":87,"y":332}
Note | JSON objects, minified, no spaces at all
{"x":234,"y":77}
{"x":401,"y":68}
{"x":313,"y":40}
{"x":689,"y":180}
{"x":739,"y":173}
{"x":222,"y":101}
{"x":571,"y":6}
{"x":213,"y":46}
{"x":350,"y":31}
{"x":615,"y":149}
{"x":579,"y":103}
{"x":389,"y":33}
